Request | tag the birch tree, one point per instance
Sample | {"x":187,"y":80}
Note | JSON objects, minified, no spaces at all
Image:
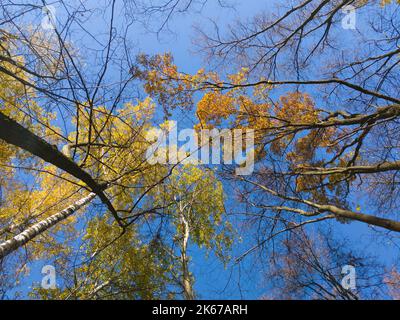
{"x":194,"y":204}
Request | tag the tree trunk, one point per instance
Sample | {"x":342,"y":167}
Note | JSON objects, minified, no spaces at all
{"x":30,"y":233}
{"x":13,"y":133}
{"x":186,"y":281}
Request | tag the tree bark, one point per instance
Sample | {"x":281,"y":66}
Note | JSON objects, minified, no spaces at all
{"x":30,"y":233}
{"x":186,"y":280}
{"x":15,"y":134}
{"x":388,"y":224}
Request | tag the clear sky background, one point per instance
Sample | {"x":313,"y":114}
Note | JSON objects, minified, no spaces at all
{"x":213,"y":281}
{"x":246,"y":280}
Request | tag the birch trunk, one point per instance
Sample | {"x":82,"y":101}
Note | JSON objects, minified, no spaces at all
{"x":30,"y":233}
{"x":13,"y":133}
{"x":186,"y":280}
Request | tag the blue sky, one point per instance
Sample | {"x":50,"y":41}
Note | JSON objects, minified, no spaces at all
{"x":213,"y":281}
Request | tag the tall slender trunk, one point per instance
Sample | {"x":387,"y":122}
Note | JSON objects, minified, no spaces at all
{"x":186,"y":280}
{"x":30,"y":233}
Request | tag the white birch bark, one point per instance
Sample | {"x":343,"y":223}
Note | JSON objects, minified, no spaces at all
{"x":30,"y":233}
{"x":186,"y":280}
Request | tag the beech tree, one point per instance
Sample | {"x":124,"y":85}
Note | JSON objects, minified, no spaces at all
{"x":312,"y":265}
{"x":313,"y":155}
{"x":325,"y":115}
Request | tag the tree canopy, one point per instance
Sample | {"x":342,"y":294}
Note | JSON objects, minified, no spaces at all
{"x":314,"y":81}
